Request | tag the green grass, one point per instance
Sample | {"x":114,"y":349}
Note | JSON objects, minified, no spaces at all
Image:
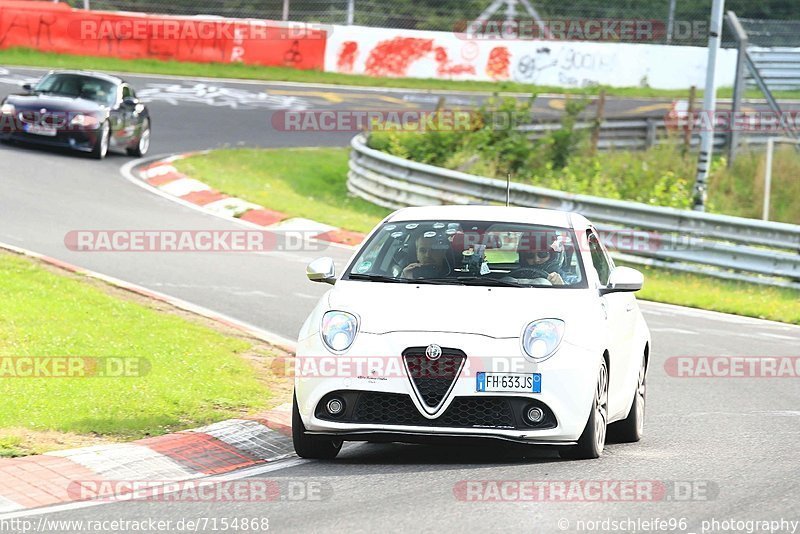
{"x":196,"y":375}
{"x":306,"y":182}
{"x":311,"y":183}
{"x":729,"y":296}
{"x":34,"y":58}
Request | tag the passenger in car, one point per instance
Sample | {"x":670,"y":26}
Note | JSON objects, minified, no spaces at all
{"x":549,"y":259}
{"x":431,"y":258}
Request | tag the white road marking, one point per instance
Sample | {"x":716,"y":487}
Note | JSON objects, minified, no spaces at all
{"x":673,"y":330}
{"x":779,"y":336}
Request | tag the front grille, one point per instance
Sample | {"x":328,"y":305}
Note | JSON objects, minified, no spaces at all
{"x":432,"y":379}
{"x":463,"y":412}
{"x":367,"y":407}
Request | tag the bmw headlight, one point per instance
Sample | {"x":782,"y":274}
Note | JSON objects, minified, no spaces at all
{"x":542,"y":338}
{"x":86,"y":121}
{"x":339,"y":330}
{"x":7,"y":109}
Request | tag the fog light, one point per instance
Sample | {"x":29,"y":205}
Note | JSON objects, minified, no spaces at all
{"x":534,"y":415}
{"x":335,"y":406}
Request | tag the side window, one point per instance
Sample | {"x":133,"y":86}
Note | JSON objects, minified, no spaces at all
{"x":599,"y":259}
{"x":126,"y":92}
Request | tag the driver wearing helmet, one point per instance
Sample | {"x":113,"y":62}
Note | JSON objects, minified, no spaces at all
{"x":549,"y":259}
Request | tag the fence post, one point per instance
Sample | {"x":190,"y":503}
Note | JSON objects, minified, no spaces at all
{"x":768,"y":178}
{"x":598,"y":121}
{"x":351,"y":12}
{"x":738,"y":82}
{"x":285,"y":10}
{"x":687,"y":132}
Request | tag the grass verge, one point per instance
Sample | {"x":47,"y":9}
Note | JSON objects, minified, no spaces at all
{"x":312,"y":183}
{"x":304,"y":182}
{"x":34,"y":58}
{"x":187,"y":371}
{"x":728,"y":296}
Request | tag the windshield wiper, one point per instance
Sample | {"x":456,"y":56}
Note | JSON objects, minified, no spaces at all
{"x":389,"y":279}
{"x":486,"y":281}
{"x":378,"y":278}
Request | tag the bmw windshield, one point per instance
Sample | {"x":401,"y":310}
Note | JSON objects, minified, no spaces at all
{"x":471,"y":253}
{"x":79,"y":86}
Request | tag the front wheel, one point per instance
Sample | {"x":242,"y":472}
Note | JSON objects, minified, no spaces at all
{"x":100,"y":148}
{"x":313,"y":447}
{"x":631,"y":429}
{"x":143,"y":144}
{"x":593,"y":439}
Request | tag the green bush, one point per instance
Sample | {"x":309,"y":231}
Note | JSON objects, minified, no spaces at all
{"x":663,"y":175}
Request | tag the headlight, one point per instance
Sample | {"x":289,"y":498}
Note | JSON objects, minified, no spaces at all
{"x":542,"y":338}
{"x":87,"y":121}
{"x":339,"y":330}
{"x":7,"y":109}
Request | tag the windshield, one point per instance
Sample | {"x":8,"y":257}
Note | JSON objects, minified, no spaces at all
{"x":79,"y":86}
{"x":471,"y":253}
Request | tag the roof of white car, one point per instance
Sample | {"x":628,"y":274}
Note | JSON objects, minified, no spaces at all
{"x":563,"y":219}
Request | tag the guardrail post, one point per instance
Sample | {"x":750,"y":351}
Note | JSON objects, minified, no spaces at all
{"x":650,"y":137}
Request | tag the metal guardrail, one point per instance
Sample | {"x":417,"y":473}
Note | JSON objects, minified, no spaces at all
{"x":779,"y":66}
{"x":643,"y":133}
{"x":718,"y":245}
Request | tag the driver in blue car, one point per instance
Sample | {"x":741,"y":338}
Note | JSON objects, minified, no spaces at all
{"x":547,"y":259}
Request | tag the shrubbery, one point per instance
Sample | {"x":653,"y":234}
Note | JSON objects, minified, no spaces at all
{"x":663,"y":175}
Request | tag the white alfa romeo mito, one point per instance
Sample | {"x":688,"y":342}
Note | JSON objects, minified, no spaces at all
{"x":474,"y":322}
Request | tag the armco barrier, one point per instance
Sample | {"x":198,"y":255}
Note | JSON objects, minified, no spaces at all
{"x":719,"y":245}
{"x":56,"y":27}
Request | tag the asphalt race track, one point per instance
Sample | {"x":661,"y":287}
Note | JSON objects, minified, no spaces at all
{"x":732,"y":440}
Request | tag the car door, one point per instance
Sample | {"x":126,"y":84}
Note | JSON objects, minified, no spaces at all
{"x":619,"y":311}
{"x":126,"y":129}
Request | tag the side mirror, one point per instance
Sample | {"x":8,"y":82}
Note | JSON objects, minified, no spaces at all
{"x":130,"y":102}
{"x":27,"y":87}
{"x":623,"y":279}
{"x":322,"y":270}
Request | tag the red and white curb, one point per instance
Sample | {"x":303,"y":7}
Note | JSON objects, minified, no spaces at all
{"x":50,"y":479}
{"x":57,"y":477}
{"x":164,"y":177}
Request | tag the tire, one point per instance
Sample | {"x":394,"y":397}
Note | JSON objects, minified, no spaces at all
{"x":631,"y":429}
{"x":592,"y":441}
{"x":100,"y":148}
{"x":312,"y":447}
{"x":143,"y":143}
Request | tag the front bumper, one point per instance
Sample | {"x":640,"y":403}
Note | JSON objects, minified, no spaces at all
{"x":374,"y":364}
{"x":80,"y":140}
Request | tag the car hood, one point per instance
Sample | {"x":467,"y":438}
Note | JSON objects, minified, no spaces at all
{"x":54,"y":103}
{"x":499,"y":312}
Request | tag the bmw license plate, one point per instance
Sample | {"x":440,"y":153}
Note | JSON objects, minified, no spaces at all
{"x":37,"y":129}
{"x":514,"y":382}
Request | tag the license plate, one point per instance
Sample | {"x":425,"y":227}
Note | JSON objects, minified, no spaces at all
{"x":36,"y":129}
{"x":515,"y":382}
